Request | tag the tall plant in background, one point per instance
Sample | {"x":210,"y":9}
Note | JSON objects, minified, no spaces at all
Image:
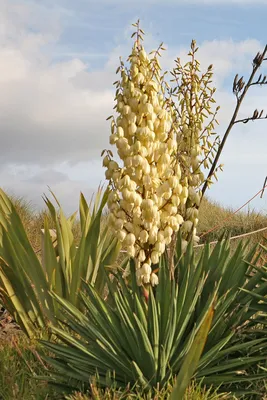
{"x":163,"y":145}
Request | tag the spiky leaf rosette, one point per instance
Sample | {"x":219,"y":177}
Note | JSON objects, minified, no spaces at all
{"x":129,"y":342}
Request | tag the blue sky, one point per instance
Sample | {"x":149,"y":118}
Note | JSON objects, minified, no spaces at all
{"x":57,"y":64}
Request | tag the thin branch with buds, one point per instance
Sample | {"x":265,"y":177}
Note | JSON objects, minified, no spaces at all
{"x":240,"y":90}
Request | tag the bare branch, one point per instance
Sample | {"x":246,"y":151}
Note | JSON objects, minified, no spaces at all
{"x":240,"y":89}
{"x":263,"y":187}
{"x":246,"y":120}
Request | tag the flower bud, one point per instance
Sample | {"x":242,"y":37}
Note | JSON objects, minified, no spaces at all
{"x":143,"y":55}
{"x":126,"y":110}
{"x":140,"y":78}
{"x":173,"y":181}
{"x":129,"y":226}
{"x":155,"y":257}
{"x":147,"y":180}
{"x":120,"y":132}
{"x":153,"y":234}
{"x":131,"y":251}
{"x":175,"y":200}
{"x":130,"y":239}
{"x":146,"y":269}
{"x":118,"y":225}
{"x":141,"y":255}
{"x":147,"y":203}
{"x":168,"y":231}
{"x":143,"y":237}
{"x":167,"y":195}
{"x":148,"y":225}
{"x":160,"y":247}
{"x":179,"y":219}
{"x":137,"y":160}
{"x":126,"y":193}
{"x":108,"y":174}
{"x":121,"y":235}
{"x":128,"y":161}
{"x":173,"y":223}
{"x":154,"y":279}
{"x":187,"y":226}
{"x":146,"y":278}
{"x":132,"y":129}
{"x":178,"y":171}
{"x":106,"y":161}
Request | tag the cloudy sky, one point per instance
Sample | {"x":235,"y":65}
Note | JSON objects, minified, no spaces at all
{"x":57,"y":64}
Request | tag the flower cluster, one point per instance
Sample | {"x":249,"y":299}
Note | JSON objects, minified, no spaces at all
{"x":147,"y":190}
{"x":192,"y":101}
{"x":162,"y":146}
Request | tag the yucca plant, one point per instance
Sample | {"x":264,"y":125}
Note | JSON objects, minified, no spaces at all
{"x":133,"y":341}
{"x":126,"y":340}
{"x":236,"y":344}
{"x":25,"y":283}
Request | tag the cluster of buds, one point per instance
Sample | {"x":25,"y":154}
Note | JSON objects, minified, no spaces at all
{"x":148,"y":189}
{"x":192,"y":100}
{"x":162,"y":146}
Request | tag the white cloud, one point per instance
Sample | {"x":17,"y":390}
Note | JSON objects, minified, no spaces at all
{"x":50,"y":112}
{"x":66,"y":182}
{"x":53,"y":113}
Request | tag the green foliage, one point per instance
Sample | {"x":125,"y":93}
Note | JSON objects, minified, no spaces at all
{"x":234,"y":348}
{"x":134,"y":342}
{"x":191,"y":360}
{"x":260,"y":305}
{"x":25,"y":284}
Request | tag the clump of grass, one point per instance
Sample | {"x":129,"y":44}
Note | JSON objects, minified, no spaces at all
{"x":19,"y":365}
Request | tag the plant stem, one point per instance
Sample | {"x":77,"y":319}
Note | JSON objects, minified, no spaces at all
{"x":233,"y":120}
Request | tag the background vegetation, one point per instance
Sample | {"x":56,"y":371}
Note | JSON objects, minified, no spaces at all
{"x":19,"y":360}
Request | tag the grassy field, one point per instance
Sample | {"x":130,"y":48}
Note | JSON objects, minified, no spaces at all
{"x":212,"y":214}
{"x":20,"y":361}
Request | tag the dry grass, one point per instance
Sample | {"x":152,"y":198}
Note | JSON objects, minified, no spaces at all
{"x":212,"y":214}
{"x":19,"y":364}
